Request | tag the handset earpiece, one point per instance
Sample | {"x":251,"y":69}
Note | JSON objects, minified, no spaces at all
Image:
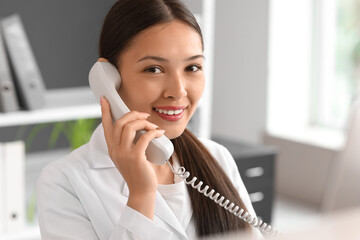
{"x":105,"y":80}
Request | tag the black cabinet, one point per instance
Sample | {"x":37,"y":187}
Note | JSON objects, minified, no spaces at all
{"x":256,"y":167}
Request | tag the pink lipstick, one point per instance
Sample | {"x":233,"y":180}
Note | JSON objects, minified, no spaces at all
{"x":170,"y":113}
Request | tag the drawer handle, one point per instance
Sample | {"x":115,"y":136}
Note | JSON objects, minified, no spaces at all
{"x":254,"y":172}
{"x":256,"y":197}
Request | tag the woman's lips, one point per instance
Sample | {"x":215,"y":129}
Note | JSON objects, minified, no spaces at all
{"x":170,"y":113}
{"x":167,"y":108}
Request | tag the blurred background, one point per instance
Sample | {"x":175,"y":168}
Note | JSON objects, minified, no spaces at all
{"x":282,"y":84}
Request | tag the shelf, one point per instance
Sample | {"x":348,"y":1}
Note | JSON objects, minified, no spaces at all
{"x":60,"y":105}
{"x":29,"y":233}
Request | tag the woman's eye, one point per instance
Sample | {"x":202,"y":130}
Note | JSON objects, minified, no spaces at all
{"x":155,"y":70}
{"x":193,"y":68}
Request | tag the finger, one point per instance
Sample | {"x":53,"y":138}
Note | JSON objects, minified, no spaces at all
{"x":130,"y":129}
{"x":125,"y":119}
{"x":102,"y":60}
{"x":106,"y":120}
{"x":146,"y":138}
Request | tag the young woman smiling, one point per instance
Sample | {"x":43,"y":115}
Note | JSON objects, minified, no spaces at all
{"x":107,"y":189}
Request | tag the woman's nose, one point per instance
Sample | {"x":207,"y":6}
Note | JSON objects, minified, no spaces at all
{"x":175,"y":87}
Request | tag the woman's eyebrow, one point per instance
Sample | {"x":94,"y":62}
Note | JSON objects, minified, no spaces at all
{"x":195,"y":57}
{"x":160,"y":59}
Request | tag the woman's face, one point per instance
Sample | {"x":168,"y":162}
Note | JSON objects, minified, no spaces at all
{"x":162,"y":74}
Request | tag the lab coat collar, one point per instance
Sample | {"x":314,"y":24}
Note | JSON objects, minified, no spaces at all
{"x":98,"y":150}
{"x":163,"y":211}
{"x":100,"y":159}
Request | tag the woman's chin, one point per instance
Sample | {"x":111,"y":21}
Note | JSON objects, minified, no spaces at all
{"x":173,"y":134}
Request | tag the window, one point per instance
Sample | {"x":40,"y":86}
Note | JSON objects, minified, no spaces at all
{"x":314,"y":56}
{"x":336,"y":60}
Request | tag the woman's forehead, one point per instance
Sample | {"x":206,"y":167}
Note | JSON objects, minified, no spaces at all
{"x":173,"y":38}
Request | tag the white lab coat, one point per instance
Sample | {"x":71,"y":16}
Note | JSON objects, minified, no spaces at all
{"x":83,"y":196}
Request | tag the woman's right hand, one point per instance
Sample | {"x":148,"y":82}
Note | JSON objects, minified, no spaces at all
{"x":129,"y":158}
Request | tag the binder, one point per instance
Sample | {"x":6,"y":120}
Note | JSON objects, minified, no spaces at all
{"x":12,"y":179}
{"x":2,"y":191}
{"x":8,"y":98}
{"x":28,"y":79}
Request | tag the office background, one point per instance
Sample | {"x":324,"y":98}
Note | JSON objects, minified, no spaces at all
{"x":64,"y":36}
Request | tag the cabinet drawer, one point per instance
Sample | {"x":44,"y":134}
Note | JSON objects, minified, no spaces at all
{"x":262,"y":200}
{"x":253,"y":161}
{"x":256,"y":169}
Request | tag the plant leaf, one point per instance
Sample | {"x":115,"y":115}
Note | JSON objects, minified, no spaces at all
{"x":55,"y":133}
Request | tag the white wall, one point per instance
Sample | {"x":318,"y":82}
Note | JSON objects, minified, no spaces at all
{"x":240,"y":69}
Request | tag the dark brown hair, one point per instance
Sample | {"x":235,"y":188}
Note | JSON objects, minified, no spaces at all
{"x":125,"y":20}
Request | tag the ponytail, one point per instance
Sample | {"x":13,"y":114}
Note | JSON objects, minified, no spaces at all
{"x":210,"y":218}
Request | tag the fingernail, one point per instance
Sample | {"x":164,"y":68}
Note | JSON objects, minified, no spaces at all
{"x":145,"y":114}
{"x":156,"y":126}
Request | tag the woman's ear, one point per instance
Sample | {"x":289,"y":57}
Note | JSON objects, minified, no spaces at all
{"x":102,"y":60}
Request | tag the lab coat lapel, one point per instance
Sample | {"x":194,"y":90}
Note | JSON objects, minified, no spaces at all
{"x":163,"y":211}
{"x":104,"y":167}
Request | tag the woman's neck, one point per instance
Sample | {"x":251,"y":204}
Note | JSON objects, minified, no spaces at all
{"x":164,"y":174}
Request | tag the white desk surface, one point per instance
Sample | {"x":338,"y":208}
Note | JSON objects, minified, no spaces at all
{"x":344,"y":225}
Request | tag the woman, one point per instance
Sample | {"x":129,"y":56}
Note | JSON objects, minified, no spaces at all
{"x":106,"y":189}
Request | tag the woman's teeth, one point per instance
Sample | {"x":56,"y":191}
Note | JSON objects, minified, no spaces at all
{"x":170,"y":112}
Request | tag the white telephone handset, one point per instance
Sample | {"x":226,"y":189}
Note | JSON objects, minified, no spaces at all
{"x":105,"y":80}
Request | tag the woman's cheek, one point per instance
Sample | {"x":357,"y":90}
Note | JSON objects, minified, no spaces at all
{"x":198,"y":90}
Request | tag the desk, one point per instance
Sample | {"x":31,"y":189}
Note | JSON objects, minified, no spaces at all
{"x":336,"y":226}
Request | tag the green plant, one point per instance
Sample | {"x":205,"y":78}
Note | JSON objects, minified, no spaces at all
{"x":77,"y":133}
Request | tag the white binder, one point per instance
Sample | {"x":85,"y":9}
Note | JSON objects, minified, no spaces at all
{"x":8,"y":98}
{"x":2,"y":200}
{"x":12,"y":186}
{"x":29,"y":82}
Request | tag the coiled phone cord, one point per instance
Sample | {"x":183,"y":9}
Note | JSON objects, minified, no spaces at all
{"x":216,"y":197}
